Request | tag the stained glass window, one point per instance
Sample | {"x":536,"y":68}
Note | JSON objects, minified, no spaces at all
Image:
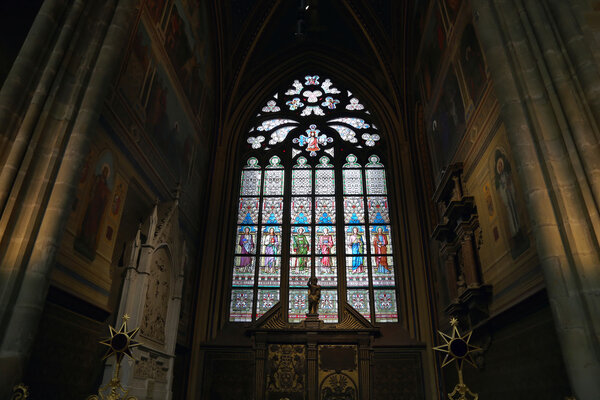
{"x":313,"y":201}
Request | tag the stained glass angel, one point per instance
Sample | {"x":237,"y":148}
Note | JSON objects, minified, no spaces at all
{"x":312,"y":140}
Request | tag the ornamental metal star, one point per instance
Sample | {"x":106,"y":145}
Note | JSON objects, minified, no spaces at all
{"x":457,"y":347}
{"x":120,"y":342}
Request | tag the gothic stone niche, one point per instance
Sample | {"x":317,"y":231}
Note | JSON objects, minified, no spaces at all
{"x":157,"y":297}
{"x":338,"y":372}
{"x":286,"y":372}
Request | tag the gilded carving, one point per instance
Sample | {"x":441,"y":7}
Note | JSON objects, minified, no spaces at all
{"x":338,"y":372}
{"x":286,"y":371}
{"x":338,"y":386}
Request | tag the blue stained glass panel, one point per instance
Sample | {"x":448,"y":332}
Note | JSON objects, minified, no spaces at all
{"x":272,"y":212}
{"x":248,"y":211}
{"x":354,"y":210}
{"x":301,"y":210}
{"x":325,"y":210}
{"x":378,"y":210}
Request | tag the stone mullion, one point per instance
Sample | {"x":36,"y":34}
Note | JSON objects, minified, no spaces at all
{"x":30,"y":300}
{"x":533,"y":138}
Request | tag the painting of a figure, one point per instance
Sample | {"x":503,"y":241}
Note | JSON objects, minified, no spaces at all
{"x":325,"y":246}
{"x":132,"y":80}
{"x":100,"y":192}
{"x":178,"y":43}
{"x":448,"y":123}
{"x":356,"y":247}
{"x":300,"y":244}
{"x":168,"y":125}
{"x":246,"y":243}
{"x":380,"y":244}
{"x":271,"y":248}
{"x":472,"y":62}
{"x":435,"y":44}
{"x":505,"y":187}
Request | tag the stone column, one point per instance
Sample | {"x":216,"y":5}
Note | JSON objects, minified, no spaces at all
{"x":17,"y":86}
{"x":18,"y":146}
{"x":35,"y":261}
{"x":554,"y":167}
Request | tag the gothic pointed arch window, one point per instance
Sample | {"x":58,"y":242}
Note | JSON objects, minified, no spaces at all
{"x":313,"y":202}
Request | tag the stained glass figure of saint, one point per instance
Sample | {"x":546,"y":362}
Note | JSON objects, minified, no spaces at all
{"x":247,"y":245}
{"x":380,"y":242}
{"x":357,"y":245}
{"x":271,"y":241}
{"x":325,"y":245}
{"x":300,"y":246}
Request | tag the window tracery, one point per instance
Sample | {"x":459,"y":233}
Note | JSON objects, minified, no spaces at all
{"x":313,"y":198}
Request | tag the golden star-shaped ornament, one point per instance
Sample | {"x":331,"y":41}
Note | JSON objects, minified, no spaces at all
{"x":457,"y":347}
{"x":120,"y":342}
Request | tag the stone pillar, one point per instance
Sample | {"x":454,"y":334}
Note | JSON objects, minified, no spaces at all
{"x":17,"y":86}
{"x":18,"y":145}
{"x":553,"y":146}
{"x":33,"y":222}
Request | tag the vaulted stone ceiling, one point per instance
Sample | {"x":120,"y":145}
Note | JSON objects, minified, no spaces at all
{"x":369,"y":35}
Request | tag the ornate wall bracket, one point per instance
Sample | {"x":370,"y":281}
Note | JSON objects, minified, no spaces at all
{"x":459,"y":235}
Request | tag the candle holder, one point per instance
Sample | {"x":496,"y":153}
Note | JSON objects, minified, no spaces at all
{"x":119,"y":344}
{"x":458,"y":349}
